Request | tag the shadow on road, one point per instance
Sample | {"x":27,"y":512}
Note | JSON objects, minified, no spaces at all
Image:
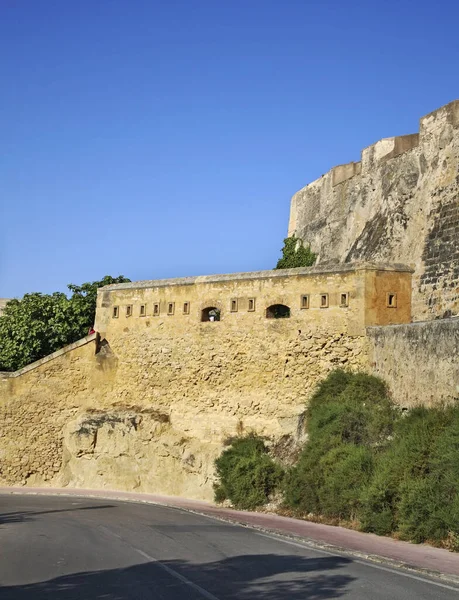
{"x":254,"y":577}
{"x":23,"y":516}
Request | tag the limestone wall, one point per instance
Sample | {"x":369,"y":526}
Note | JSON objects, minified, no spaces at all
{"x":163,"y":302}
{"x":419,"y":361}
{"x":149,"y":404}
{"x":156,"y":420}
{"x":400,"y":203}
{"x":64,"y":422}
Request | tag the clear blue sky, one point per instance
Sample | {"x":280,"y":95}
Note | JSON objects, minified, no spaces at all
{"x":165,"y":138}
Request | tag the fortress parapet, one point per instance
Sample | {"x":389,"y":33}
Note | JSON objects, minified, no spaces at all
{"x":341,"y":298}
{"x":399,"y":203}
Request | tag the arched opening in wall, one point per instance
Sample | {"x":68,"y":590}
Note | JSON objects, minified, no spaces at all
{"x":211,"y":313}
{"x":278,"y":311}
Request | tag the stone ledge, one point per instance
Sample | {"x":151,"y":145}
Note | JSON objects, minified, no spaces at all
{"x":42,"y":361}
{"x":322,"y":269}
{"x":449,"y":323}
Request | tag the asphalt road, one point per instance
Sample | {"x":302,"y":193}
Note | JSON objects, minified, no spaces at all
{"x":57,"y":548}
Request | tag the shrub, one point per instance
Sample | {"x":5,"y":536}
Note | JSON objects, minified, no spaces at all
{"x":295,"y":254}
{"x":247,"y":474}
{"x":351,"y":408}
{"x":362,"y":461}
{"x":349,"y":420}
{"x":303,"y":481}
{"x":346,"y":470}
{"x":416,"y":480}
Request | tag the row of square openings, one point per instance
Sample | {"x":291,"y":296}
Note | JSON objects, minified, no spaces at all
{"x":391,"y":300}
{"x":210,"y":313}
{"x":156,"y":309}
{"x":276,"y":311}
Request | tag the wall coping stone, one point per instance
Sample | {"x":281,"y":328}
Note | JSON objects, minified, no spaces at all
{"x":42,"y":361}
{"x":322,"y":269}
{"x":374,"y":330}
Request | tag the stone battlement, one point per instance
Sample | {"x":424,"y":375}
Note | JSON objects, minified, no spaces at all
{"x":322,"y":269}
{"x":340,"y":298}
{"x":400,"y":203}
{"x":391,"y":147}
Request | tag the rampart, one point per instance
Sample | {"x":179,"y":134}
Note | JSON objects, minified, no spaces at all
{"x":148,"y":403}
{"x":400,"y":203}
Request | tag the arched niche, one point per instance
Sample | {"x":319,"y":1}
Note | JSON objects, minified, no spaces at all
{"x":278,"y":311}
{"x":210,"y":313}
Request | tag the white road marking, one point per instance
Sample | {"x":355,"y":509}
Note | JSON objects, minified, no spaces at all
{"x":157,"y":562}
{"x":369,"y":563}
{"x":181,"y":578}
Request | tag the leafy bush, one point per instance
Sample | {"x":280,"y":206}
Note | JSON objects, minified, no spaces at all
{"x":247,"y":474}
{"x":346,"y":470}
{"x":349,"y":419}
{"x":351,"y":408}
{"x":303,"y":481}
{"x":415,"y":487}
{"x":295,"y":254}
{"x":363,"y":460}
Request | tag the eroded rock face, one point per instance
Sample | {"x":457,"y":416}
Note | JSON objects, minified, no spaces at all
{"x":135,"y":449}
{"x":399,"y":204}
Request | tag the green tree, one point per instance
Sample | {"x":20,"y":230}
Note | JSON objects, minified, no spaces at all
{"x":295,"y":254}
{"x":39,"y":324}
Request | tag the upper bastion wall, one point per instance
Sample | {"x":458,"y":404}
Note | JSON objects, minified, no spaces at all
{"x":342,"y":299}
{"x":400,"y":203}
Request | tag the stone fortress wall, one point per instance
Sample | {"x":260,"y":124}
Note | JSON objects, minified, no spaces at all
{"x":419,"y":361}
{"x":400,"y":203}
{"x":148,"y":403}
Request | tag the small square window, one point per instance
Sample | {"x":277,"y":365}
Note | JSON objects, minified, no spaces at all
{"x":156,"y":309}
{"x":305,"y":301}
{"x":129,"y":310}
{"x":323,"y":300}
{"x":344,"y":300}
{"x":170,"y":308}
{"x":143,"y":310}
{"x":116,"y":312}
{"x":391,"y":300}
{"x":186,"y":308}
{"x":234,"y":305}
{"x":251,"y":306}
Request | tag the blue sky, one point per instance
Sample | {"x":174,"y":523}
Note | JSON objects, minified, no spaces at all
{"x":160,"y":139}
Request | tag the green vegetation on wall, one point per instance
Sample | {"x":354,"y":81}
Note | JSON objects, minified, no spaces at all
{"x":247,"y":474}
{"x":349,"y":420}
{"x":295,"y":254}
{"x":414,"y":490}
{"x":40,"y":324}
{"x":365,"y":462}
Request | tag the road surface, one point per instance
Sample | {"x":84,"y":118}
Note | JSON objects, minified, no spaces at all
{"x":58,"y":548}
